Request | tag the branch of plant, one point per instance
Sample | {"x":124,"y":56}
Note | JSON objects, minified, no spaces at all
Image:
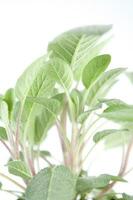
{"x":13,"y":181}
{"x":7,"y":147}
{"x":121,"y":173}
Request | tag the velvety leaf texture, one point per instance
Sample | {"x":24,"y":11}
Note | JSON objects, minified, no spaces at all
{"x":52,"y":183}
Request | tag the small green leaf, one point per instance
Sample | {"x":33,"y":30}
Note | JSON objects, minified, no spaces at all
{"x":83,"y":116}
{"x":18,"y":168}
{"x":9,"y":98}
{"x":42,"y":154}
{"x":0,"y":185}
{"x":105,"y":133}
{"x":89,"y":183}
{"x":94,"y":69}
{"x":76,"y":99}
{"x":52,"y":183}
{"x":3,"y":134}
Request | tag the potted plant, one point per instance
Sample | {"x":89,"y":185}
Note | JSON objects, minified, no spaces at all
{"x":65,"y":89}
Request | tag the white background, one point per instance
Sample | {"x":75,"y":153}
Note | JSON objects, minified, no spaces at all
{"x":26,"y":27}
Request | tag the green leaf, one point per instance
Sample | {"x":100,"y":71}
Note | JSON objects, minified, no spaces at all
{"x":83,"y":116}
{"x":9,"y":98}
{"x":4,"y":113}
{"x":78,"y":46}
{"x":18,"y":168}
{"x":61,"y":72}
{"x":94,"y":69}
{"x":105,"y":133}
{"x":119,"y":111}
{"x":42,"y":154}
{"x":130,"y":76}
{"x":34,"y":82}
{"x":52,"y":183}
{"x":76,"y":99}
{"x":44,"y":116}
{"x":89,"y":183}
{"x":30,"y":75}
{"x":3,"y":134}
{"x":102,"y":85}
{"x":0,"y":185}
{"x":118,"y":139}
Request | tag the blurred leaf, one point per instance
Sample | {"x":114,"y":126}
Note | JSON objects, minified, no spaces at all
{"x":89,"y":183}
{"x":4,"y":113}
{"x":3,"y":134}
{"x":105,"y":133}
{"x":118,"y":111}
{"x":76,"y":99}
{"x":94,"y":69}
{"x":127,"y":197}
{"x":130,"y":76}
{"x":9,"y":98}
{"x":118,"y":139}
{"x":18,"y":168}
{"x":83,"y":116}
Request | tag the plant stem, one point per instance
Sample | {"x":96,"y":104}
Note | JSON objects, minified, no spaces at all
{"x":127,"y":172}
{"x":13,"y":181}
{"x":121,"y":173}
{"x":7,"y":147}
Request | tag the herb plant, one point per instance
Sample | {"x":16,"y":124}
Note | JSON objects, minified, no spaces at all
{"x":65,"y":89}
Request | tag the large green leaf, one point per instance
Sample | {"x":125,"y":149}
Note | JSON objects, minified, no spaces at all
{"x":41,"y":118}
{"x":18,"y":168}
{"x":102,"y":86}
{"x":52,"y":183}
{"x":34,"y":82}
{"x":94,"y":69}
{"x":86,"y":184}
{"x":79,"y":45}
